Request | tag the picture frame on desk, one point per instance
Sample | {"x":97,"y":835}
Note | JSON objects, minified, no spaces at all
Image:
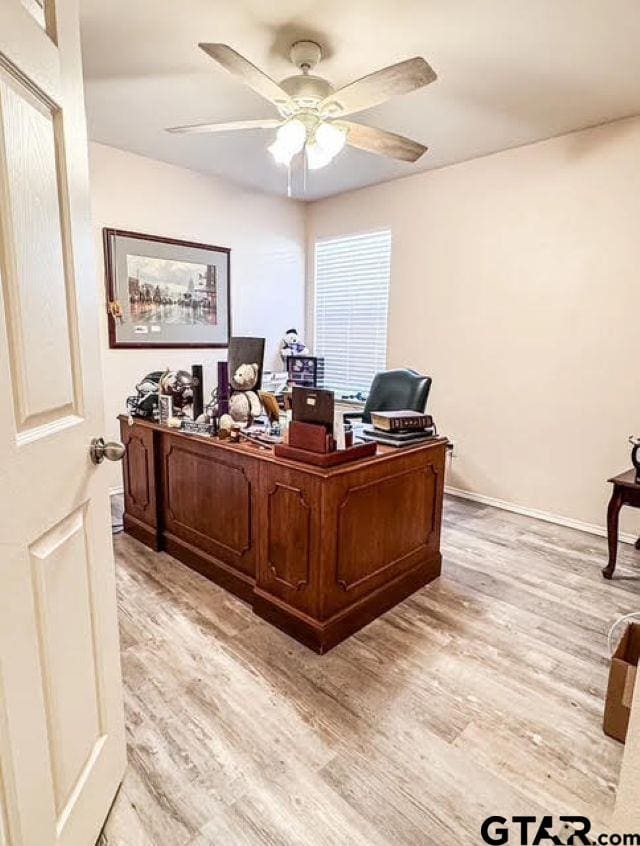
{"x":305,"y":371}
{"x":165,"y":409}
{"x":166,"y":293}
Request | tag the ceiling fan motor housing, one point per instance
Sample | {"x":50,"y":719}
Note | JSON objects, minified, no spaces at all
{"x":306,"y":90}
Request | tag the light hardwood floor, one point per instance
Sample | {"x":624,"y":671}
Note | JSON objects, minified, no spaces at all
{"x":481,"y":694}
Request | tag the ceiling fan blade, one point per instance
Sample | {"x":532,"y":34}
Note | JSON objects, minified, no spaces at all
{"x":379,"y":86}
{"x":252,"y":76}
{"x":381,"y":142}
{"x":232,"y":126}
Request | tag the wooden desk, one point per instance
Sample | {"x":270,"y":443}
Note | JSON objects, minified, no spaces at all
{"x":317,"y":552}
{"x":626,"y":491}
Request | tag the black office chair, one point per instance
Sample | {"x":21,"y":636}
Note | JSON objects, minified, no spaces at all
{"x":394,"y":390}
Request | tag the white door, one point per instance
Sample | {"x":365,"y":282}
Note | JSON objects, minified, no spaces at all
{"x":62,"y":750}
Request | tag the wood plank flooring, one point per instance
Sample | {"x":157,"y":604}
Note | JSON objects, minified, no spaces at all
{"x":481,"y":694}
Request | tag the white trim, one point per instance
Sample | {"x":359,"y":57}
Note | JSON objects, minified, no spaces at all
{"x":118,"y":489}
{"x":590,"y":528}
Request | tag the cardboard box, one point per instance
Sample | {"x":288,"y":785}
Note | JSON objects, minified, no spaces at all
{"x":622,"y":678}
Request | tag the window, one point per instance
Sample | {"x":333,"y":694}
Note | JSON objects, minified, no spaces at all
{"x":350,"y":309}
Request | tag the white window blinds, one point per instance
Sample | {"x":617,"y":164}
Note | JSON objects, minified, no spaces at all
{"x":351,"y":303}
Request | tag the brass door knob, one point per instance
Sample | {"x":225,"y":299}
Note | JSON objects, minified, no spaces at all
{"x":99,"y":450}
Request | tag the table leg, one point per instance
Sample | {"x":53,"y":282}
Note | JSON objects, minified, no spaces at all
{"x":613,"y":512}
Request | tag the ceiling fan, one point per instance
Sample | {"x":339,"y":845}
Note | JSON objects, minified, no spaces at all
{"x":312,"y":113}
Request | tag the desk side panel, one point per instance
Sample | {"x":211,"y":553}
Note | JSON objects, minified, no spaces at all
{"x":140,"y":483}
{"x":382,"y":523}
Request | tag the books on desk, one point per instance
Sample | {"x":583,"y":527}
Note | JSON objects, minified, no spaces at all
{"x":399,"y":428}
{"x":396,"y":439}
{"x":401,"y":421}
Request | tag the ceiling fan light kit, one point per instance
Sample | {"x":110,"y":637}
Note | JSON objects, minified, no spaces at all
{"x":290,"y":139}
{"x":311,"y":112}
{"x":325,"y":145}
{"x":320,"y":140}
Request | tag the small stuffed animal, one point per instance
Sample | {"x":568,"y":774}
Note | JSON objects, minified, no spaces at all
{"x":244,"y":405}
{"x":291,"y":345}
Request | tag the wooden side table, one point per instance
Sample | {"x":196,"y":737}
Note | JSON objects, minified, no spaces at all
{"x":626,"y":491}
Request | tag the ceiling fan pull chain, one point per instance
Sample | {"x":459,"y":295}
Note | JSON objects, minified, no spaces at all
{"x":304,"y":170}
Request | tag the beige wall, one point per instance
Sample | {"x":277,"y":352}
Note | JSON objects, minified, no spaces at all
{"x":266,"y":236}
{"x":516,"y":285}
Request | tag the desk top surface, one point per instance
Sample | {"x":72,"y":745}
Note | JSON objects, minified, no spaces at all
{"x":265,"y":453}
{"x":626,"y":479}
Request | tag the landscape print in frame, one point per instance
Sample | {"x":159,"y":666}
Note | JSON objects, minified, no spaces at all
{"x":163,"y":292}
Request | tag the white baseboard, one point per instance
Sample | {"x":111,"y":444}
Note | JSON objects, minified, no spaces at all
{"x":116,"y":491}
{"x":590,"y":528}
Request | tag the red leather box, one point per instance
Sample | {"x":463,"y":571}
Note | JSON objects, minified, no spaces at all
{"x":310,"y":436}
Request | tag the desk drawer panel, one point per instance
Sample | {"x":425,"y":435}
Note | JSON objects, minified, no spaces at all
{"x":208,"y":500}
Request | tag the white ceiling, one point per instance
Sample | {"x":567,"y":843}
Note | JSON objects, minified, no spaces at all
{"x":510,"y":72}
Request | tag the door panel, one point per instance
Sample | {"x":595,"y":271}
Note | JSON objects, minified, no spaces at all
{"x":62,"y":749}
{"x":65,"y":619}
{"x":24,"y":759}
{"x":37,"y":10}
{"x":4,"y":837}
{"x":36,"y":288}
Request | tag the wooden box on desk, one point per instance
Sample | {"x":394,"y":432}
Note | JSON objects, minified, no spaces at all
{"x":311,"y":436}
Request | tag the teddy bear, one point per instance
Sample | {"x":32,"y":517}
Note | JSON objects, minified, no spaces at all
{"x":291,"y":344}
{"x":244,"y":405}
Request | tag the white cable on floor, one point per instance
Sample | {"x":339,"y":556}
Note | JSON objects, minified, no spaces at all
{"x":634,"y":615}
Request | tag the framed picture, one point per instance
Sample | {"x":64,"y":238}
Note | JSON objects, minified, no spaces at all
{"x":162,"y":292}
